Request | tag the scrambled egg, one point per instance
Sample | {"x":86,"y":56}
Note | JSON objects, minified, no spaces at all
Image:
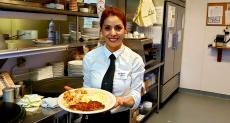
{"x":81,"y":95}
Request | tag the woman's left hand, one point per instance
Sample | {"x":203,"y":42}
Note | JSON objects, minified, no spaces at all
{"x":119,"y":102}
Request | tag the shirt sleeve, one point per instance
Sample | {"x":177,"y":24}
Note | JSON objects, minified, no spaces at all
{"x":86,"y":72}
{"x":137,"y":76}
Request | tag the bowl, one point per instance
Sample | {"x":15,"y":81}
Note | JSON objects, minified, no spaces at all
{"x":85,"y":10}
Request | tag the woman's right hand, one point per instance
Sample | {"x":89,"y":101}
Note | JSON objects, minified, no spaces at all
{"x":67,"y":88}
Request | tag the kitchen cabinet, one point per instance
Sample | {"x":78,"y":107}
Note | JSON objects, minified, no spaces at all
{"x":29,"y":12}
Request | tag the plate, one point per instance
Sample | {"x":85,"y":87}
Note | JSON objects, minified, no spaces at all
{"x":108,"y":100}
{"x":42,"y":41}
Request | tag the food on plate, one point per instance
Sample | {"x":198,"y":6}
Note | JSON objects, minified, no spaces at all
{"x":84,"y":100}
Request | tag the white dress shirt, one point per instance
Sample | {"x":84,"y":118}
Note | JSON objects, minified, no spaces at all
{"x":128,"y":76}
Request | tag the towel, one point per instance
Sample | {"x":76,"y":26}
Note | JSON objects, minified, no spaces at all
{"x":50,"y":102}
{"x":145,"y":14}
{"x":31,"y":102}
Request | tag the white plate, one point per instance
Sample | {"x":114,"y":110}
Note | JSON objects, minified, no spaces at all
{"x":109,"y":101}
{"x":42,"y":41}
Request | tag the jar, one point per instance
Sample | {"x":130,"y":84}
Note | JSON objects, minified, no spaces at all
{"x":8,"y":94}
{"x":73,"y":5}
{"x":92,"y":8}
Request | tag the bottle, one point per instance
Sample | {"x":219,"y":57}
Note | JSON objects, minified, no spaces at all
{"x":51,"y":31}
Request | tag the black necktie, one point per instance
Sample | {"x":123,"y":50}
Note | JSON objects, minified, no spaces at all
{"x":107,"y":82}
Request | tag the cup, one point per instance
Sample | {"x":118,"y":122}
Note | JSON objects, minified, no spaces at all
{"x":130,"y":35}
{"x":66,"y":38}
{"x":141,"y":35}
{"x":17,"y":91}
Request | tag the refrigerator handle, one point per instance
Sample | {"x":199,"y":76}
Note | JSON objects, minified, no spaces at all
{"x":175,"y":40}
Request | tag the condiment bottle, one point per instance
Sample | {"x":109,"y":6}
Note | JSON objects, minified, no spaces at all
{"x":51,"y":31}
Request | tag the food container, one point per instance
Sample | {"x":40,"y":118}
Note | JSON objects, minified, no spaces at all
{"x":8,"y":94}
{"x":15,"y":44}
{"x":84,"y":10}
{"x":147,"y":106}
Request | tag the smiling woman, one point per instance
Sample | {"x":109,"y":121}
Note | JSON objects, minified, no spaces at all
{"x":115,"y":68}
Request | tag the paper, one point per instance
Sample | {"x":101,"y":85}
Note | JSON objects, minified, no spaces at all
{"x":170,"y":39}
{"x":227,"y":17}
{"x":215,"y":14}
{"x":179,"y":32}
{"x":171,"y":16}
{"x":159,"y":14}
{"x":157,"y":34}
{"x":153,"y":32}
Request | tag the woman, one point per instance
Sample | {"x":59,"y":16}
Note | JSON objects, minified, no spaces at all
{"x":129,"y":68}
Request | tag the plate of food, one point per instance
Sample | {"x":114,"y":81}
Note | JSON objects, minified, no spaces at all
{"x":86,"y":100}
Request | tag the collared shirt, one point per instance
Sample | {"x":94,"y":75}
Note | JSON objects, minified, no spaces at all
{"x":128,"y":76}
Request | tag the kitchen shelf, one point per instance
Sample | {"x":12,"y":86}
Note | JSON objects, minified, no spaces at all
{"x":154,"y":65}
{"x":91,"y":42}
{"x":23,"y":8}
{"x":149,"y":88}
{"x":31,"y":51}
{"x":219,"y":51}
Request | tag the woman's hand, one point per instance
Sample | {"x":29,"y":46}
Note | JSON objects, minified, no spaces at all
{"x":128,"y":102}
{"x":119,"y":101}
{"x":67,"y":88}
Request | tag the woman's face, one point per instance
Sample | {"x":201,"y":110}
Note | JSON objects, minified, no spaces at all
{"x":113,"y":32}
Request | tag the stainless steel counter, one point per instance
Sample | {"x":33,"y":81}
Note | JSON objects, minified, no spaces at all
{"x":47,"y":115}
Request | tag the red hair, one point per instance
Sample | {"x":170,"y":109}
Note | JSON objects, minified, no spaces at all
{"x":114,"y":12}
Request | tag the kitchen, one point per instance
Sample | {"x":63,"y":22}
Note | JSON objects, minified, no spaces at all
{"x":200,"y":70}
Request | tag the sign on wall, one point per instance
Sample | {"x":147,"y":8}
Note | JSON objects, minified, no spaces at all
{"x":216,"y":14}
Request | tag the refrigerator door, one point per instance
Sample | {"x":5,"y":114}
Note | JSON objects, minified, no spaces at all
{"x":179,"y":42}
{"x":169,"y":32}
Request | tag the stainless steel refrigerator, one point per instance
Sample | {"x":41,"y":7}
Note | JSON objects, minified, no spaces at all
{"x":172,"y":40}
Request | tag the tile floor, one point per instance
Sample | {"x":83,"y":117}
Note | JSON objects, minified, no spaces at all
{"x":193,"y":108}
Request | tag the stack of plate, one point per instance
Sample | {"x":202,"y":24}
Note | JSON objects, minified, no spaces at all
{"x":42,"y":73}
{"x":58,"y":69}
{"x":75,"y":68}
{"x":90,"y":33}
{"x":42,"y":42}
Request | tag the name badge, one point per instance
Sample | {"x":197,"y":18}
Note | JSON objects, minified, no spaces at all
{"x":121,"y":75}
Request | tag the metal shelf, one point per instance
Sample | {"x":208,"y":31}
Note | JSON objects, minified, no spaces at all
{"x":23,"y":8}
{"x":31,"y":51}
{"x":154,"y":65}
{"x":149,"y":113}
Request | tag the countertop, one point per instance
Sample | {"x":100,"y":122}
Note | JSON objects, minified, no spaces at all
{"x":43,"y":114}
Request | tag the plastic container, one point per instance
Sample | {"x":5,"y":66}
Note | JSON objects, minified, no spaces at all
{"x":147,"y":106}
